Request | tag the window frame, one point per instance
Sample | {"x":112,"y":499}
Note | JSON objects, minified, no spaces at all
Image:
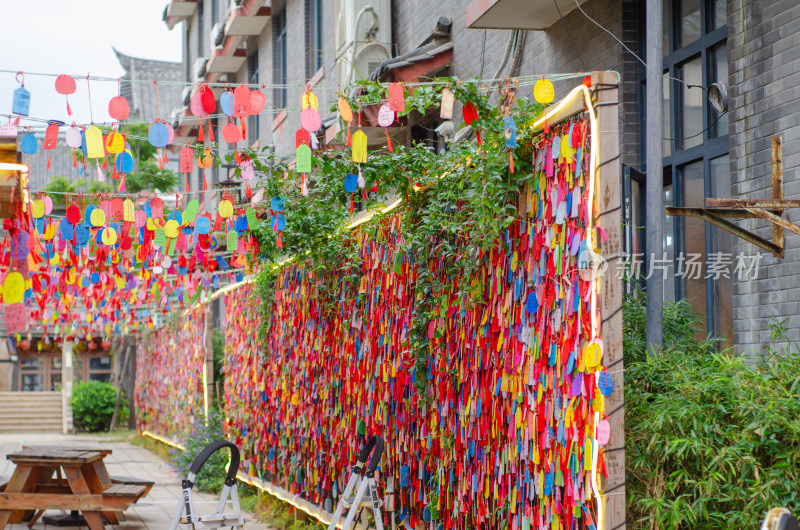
{"x":314,"y":35}
{"x":201,"y":19}
{"x":279,"y":63}
{"x":253,"y":74}
{"x":710,"y":147}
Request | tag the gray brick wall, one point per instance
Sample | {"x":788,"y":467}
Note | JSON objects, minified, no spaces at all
{"x":764,"y":80}
{"x":545,"y":52}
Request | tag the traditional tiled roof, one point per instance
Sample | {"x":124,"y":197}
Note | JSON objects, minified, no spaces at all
{"x":142,"y":95}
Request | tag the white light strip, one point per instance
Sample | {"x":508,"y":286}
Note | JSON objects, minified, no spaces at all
{"x":6,"y":166}
{"x":314,"y":511}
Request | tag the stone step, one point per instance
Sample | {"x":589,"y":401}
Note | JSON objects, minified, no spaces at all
{"x":29,"y":397}
{"x":48,"y":426}
{"x":14,"y":415}
{"x":30,"y":412}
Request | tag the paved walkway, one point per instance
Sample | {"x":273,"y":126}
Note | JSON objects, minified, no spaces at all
{"x":153,"y":512}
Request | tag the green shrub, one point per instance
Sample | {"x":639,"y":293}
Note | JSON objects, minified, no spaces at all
{"x":212,"y":475}
{"x":713,"y":441}
{"x":93,"y":405}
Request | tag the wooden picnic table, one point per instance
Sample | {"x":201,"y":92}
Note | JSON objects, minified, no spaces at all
{"x":64,"y":479}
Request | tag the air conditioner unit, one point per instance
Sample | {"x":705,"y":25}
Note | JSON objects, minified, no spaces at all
{"x":363,"y":37}
{"x":218,"y":34}
{"x":200,"y":67}
{"x":186,"y":96}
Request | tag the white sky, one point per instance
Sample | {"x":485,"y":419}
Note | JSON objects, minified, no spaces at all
{"x":75,"y":37}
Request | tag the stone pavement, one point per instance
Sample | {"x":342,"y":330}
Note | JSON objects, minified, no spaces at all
{"x":153,"y":512}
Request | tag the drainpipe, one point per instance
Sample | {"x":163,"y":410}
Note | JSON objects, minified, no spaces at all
{"x":655,"y":175}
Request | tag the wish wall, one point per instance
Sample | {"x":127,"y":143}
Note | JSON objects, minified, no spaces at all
{"x":169,"y":376}
{"x":506,"y":426}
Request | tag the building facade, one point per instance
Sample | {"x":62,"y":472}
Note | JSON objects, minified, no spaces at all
{"x":289,"y":45}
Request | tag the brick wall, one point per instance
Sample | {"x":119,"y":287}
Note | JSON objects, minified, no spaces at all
{"x":544,"y":52}
{"x":764,"y":80}
{"x":477,"y":53}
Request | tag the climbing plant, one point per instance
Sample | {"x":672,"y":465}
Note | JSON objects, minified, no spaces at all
{"x":462,"y":199}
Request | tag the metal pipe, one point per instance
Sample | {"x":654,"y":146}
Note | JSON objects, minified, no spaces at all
{"x":512,"y":39}
{"x":655,"y":174}
{"x":512,"y":71}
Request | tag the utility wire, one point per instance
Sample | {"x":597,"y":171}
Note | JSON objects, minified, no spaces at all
{"x":571,"y":40}
{"x":612,"y":35}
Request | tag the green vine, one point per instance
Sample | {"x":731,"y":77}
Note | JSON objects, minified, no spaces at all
{"x":457,"y":204}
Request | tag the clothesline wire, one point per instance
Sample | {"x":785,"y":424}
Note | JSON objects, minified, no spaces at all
{"x":81,"y":77}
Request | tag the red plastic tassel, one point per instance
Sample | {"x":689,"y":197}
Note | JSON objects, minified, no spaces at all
{"x":160,"y":161}
{"x":237,"y":156}
{"x":351,"y":203}
{"x":48,"y":160}
{"x":210,"y":131}
{"x":205,"y":186}
{"x":349,"y":135}
{"x":200,"y":136}
{"x":365,"y":194}
{"x":69,"y":110}
{"x":166,"y":157}
{"x":478,"y":136}
{"x":74,"y":160}
{"x":388,"y":140}
{"x":511,"y":162}
{"x":16,"y":122}
{"x":244,"y":128}
{"x":248,"y":192}
{"x":187,"y":182}
{"x":546,"y":127}
{"x":105,"y":163}
{"x":122,"y":183}
{"x":280,"y":242}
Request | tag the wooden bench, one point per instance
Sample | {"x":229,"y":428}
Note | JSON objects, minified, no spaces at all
{"x":125,"y":490}
{"x":133,"y":481}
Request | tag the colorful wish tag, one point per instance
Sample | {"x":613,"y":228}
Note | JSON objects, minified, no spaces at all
{"x":13,"y":288}
{"x":232,"y":239}
{"x":28,"y":144}
{"x":241,"y":102}
{"x":22,"y":101}
{"x":303,"y":159}
{"x":118,"y":108}
{"x":359,"y":147}
{"x":51,"y":136}
{"x":94,"y":142}
{"x":186,"y":160}
{"x":446,"y":106}
{"x":543,"y":91}
{"x":114,"y":143}
{"x":257,"y":102}
{"x":397,"y":100}
{"x":225,"y":208}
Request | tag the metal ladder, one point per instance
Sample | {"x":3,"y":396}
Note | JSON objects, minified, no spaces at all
{"x":219,"y":519}
{"x":366,"y":495}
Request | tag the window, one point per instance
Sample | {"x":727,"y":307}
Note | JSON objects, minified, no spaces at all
{"x":696,"y":163}
{"x":313,"y":37}
{"x":201,"y":30}
{"x":252,"y":73}
{"x":214,"y":12}
{"x":279,"y":58}
{"x":31,"y":374}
